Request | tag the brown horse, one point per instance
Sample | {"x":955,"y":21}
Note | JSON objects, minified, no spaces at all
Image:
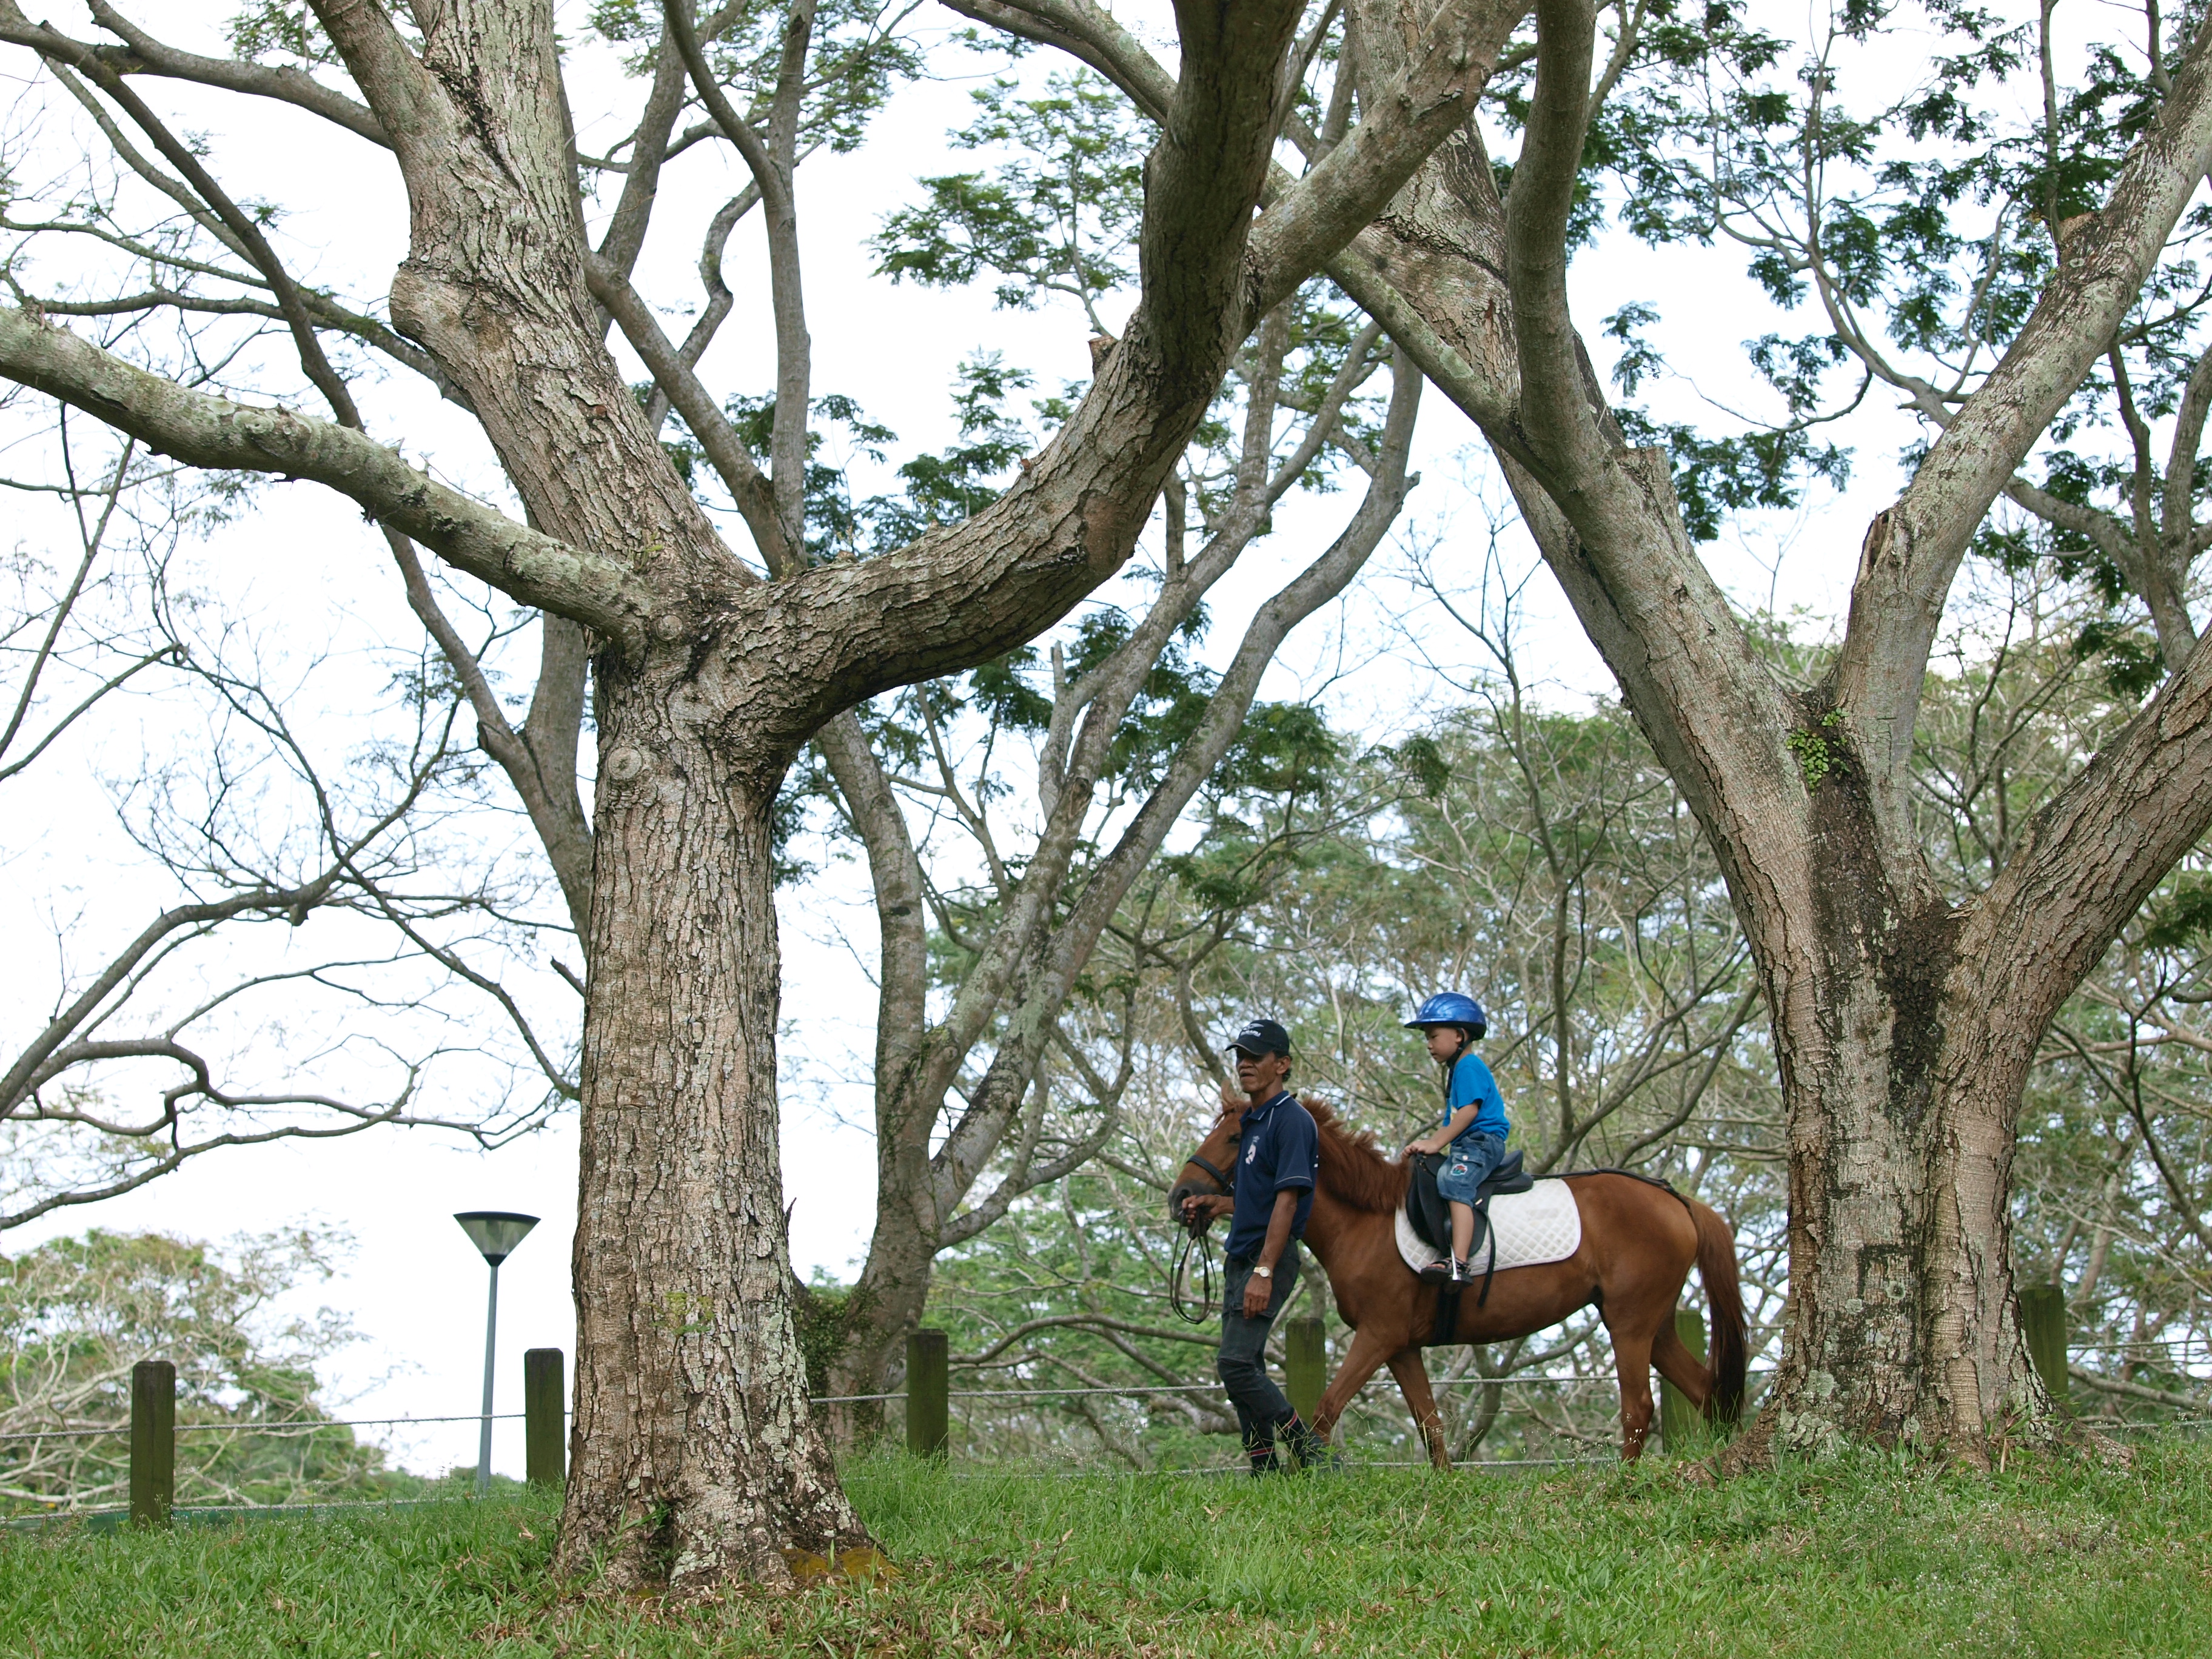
{"x":1639,"y":1242}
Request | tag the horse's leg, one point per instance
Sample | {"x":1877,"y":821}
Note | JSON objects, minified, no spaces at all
{"x":1366,"y":1358}
{"x":1412,"y":1375}
{"x":1631,"y":1355}
{"x":1682,"y":1368}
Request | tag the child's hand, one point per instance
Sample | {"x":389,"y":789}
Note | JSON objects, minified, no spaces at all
{"x":1421,"y":1146}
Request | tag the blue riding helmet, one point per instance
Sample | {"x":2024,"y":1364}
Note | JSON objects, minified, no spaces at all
{"x":1450,"y":1008}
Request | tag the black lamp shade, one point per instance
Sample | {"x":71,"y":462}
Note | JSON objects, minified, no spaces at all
{"x":496,"y":1232}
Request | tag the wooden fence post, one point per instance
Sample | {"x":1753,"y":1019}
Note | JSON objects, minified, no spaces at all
{"x":928,"y":1393}
{"x":1305,"y":1365}
{"x":545,"y":1453}
{"x":1679,"y":1421}
{"x":2043,"y":1324}
{"x":153,"y":1442}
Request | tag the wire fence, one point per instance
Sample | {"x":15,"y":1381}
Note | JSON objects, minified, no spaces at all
{"x":263,"y":1425}
{"x":1566,"y":1421}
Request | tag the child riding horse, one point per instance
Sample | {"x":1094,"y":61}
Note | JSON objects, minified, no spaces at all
{"x":1639,"y":1241}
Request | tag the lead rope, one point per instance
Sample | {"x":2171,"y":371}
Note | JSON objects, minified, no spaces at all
{"x":1199,"y":1241}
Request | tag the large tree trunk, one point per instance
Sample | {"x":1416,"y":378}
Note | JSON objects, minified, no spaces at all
{"x":1900,"y":1100}
{"x":1903,"y":1326}
{"x":695,"y":1455}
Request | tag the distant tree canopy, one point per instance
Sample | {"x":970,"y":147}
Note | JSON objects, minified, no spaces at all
{"x":76,"y":1315}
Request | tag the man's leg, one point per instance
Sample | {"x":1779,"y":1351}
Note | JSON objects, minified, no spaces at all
{"x":1264,"y":1415}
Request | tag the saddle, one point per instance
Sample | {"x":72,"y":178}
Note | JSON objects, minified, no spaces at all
{"x":1430,"y":1215}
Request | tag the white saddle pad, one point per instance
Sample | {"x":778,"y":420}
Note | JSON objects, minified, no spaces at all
{"x":1541,"y":1224}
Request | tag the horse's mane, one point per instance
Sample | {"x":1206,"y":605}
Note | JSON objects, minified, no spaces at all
{"x":1354,"y":1167}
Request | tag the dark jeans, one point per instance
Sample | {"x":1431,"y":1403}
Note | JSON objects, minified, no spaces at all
{"x":1261,"y":1408}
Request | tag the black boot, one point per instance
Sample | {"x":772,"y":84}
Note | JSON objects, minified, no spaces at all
{"x":1313,"y":1452}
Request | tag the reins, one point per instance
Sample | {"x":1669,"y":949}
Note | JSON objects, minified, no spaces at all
{"x":1197,"y":1239}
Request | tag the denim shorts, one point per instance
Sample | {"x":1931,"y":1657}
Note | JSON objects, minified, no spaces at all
{"x":1468,"y":1165}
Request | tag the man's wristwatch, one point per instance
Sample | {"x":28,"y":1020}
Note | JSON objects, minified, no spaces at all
{"x":1263,"y":1273}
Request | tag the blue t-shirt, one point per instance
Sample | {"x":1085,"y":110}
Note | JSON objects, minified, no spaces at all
{"x":1279,"y":1151}
{"x":1471,"y":1085}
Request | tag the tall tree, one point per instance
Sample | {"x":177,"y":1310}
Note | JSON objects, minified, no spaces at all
{"x":695,"y":1455}
{"x":1109,"y":743}
{"x":1906,"y":1018}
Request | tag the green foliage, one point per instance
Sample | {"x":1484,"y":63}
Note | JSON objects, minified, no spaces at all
{"x":822,"y":1316}
{"x":288,"y":28}
{"x":1058,"y":218}
{"x":945,"y":488}
{"x":2108,"y":629}
{"x":2067,"y":1556}
{"x":859,"y":59}
{"x":2180,"y":915}
{"x":1816,"y":751}
{"x":1918,"y":222}
{"x":1714,"y":477}
{"x":940,"y":489}
{"x":1422,"y":759}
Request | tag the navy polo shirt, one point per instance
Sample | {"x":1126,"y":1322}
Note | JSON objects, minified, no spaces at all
{"x":1279,"y":1151}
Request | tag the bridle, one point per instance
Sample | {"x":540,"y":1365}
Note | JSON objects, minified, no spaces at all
{"x":1227,"y":1184}
{"x":1199,"y":1237}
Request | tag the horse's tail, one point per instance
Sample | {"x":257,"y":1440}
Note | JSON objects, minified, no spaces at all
{"x":1724,"y":1369}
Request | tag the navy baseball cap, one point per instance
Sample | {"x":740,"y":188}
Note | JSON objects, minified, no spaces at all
{"x":1262,"y":1037}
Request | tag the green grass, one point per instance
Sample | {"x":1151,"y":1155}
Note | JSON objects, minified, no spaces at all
{"x":1871,"y":1556}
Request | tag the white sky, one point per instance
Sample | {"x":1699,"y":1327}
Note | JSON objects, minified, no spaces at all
{"x":311,"y":572}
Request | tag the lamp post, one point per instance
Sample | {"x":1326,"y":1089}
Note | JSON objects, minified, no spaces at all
{"x":495,"y":1232}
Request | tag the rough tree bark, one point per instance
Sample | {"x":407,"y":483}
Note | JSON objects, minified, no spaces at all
{"x":1904,"y":1023}
{"x":694,"y":1457}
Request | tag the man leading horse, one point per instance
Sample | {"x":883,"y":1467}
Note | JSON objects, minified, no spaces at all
{"x":1301,"y":1172}
{"x":1271,"y":1193}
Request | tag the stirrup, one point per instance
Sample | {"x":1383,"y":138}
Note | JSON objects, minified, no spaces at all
{"x":1462,"y":1272}
{"x":1438,"y":1271}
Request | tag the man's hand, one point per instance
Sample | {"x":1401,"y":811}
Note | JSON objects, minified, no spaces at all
{"x":1256,"y":1293}
{"x":1198,"y":1210}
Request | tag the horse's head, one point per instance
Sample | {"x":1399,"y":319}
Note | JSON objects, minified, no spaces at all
{"x":1210,"y":1170}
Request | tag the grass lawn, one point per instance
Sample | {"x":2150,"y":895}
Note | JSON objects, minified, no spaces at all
{"x":1870,"y":1557}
